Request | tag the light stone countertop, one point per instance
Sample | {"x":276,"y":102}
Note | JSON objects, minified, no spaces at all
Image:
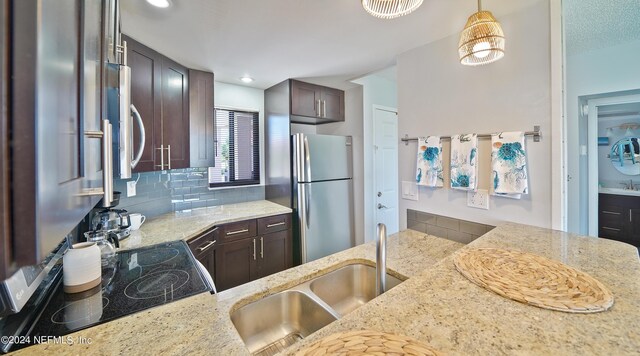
{"x":437,"y":305}
{"x":183,"y":225}
{"x":201,"y":324}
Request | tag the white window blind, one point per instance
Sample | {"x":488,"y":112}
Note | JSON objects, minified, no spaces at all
{"x":237,"y":156}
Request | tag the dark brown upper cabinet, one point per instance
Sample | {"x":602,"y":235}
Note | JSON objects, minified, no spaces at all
{"x":315,"y":104}
{"x":201,"y":119}
{"x":160,"y":92}
{"x":51,"y":136}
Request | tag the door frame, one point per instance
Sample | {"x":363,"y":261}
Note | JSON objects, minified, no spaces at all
{"x":592,"y":151}
{"x":558,"y":136}
{"x":376,"y":107}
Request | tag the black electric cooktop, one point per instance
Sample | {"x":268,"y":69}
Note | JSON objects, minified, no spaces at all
{"x":141,"y":278}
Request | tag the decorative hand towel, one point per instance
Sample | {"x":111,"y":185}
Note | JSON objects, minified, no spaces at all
{"x":509,"y":164}
{"x":429,"y":172}
{"x":464,"y":162}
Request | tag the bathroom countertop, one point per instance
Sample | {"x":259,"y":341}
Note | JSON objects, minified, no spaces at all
{"x":436,"y":305}
{"x":183,"y":225}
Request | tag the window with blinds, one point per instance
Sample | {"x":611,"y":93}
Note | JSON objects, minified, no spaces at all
{"x":237,"y":151}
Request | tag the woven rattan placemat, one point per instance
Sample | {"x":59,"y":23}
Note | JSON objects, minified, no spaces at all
{"x":367,"y":342}
{"x":534,"y":280}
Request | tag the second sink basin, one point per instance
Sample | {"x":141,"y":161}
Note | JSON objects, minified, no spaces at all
{"x":269,"y":325}
{"x":277,"y":321}
{"x":349,"y":287}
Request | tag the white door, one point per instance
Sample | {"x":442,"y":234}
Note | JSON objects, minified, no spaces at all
{"x":385,"y":167}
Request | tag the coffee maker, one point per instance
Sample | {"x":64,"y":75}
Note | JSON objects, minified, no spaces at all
{"x":112,"y":221}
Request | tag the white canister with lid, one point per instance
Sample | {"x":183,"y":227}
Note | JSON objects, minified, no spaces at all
{"x":82,"y":269}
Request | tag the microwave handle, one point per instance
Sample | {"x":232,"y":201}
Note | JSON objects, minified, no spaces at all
{"x":136,"y":114}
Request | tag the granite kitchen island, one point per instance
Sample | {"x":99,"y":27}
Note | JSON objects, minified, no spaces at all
{"x":435,"y":305}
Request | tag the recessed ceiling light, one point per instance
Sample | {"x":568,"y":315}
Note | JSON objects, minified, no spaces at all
{"x":246,"y":79}
{"x":160,"y":3}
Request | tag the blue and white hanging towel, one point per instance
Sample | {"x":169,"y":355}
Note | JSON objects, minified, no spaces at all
{"x":464,"y":162}
{"x":509,"y":164}
{"x":429,"y":172}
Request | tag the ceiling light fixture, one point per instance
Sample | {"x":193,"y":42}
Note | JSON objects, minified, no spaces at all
{"x":160,"y":3}
{"x":482,"y":40}
{"x":390,"y":9}
{"x":246,"y":79}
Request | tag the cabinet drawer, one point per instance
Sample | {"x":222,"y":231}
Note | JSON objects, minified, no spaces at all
{"x":204,"y":242}
{"x":274,"y":224}
{"x":238,"y":230}
{"x":612,"y":214}
{"x":611,"y":231}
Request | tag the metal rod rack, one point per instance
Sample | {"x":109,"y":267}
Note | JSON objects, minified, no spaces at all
{"x":536,"y":134}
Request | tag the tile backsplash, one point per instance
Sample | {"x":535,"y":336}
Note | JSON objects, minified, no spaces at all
{"x":448,"y":228}
{"x":179,"y":189}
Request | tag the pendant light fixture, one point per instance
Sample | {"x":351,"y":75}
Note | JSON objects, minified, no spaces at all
{"x":482,"y":40}
{"x":389,"y":9}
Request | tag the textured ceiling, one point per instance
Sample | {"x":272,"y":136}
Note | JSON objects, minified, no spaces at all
{"x":594,"y":24}
{"x":324,"y":41}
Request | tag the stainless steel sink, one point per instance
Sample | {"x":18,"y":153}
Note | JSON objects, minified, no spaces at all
{"x":275,"y":322}
{"x":271,"y":324}
{"x":348,"y":288}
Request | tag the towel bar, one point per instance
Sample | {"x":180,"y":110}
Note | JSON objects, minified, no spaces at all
{"x":536,"y":134}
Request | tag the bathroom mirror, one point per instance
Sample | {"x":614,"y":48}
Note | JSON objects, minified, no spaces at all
{"x":625,"y":156}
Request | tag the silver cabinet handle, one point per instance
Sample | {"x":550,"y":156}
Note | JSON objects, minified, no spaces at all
{"x":161,"y":165}
{"x":107,"y":165}
{"x":610,"y":228}
{"x":610,"y":212}
{"x":276,"y":224}
{"x":237,"y":232}
{"x":169,"y":156}
{"x":319,"y":110}
{"x":254,"y":249}
{"x":107,"y":159}
{"x":262,"y":248}
{"x":200,"y":249}
{"x":324,"y":108}
{"x":143,"y":138}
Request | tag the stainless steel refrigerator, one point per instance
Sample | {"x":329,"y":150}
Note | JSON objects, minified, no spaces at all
{"x":323,"y":194}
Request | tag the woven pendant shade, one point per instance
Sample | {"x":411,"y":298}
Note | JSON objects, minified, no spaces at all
{"x":389,"y":9}
{"x":482,"y":40}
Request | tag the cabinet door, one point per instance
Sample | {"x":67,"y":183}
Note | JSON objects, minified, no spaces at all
{"x":145,"y":66}
{"x":175,"y":114}
{"x":201,"y":132}
{"x":304,"y":99}
{"x":275,"y":253}
{"x":50,"y":111}
{"x":6,"y":258}
{"x":236,"y":263}
{"x":208,"y":260}
{"x":332,"y":104}
{"x":634,"y":226}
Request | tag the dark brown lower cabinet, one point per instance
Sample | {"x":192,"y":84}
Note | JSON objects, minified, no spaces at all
{"x":619,"y":218}
{"x":235,"y":264}
{"x":275,"y":252}
{"x":241,"y":255}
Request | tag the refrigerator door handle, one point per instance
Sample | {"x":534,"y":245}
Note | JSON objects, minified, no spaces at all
{"x":307,"y":160}
{"x":307,"y":208}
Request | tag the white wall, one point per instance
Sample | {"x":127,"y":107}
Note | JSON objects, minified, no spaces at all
{"x":233,"y":96}
{"x":439,"y":96}
{"x":595,"y":72}
{"x":353,"y":126}
{"x":381,"y":91}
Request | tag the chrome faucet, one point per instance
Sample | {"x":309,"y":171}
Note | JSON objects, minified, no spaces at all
{"x":381,"y":260}
{"x":629,"y":186}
